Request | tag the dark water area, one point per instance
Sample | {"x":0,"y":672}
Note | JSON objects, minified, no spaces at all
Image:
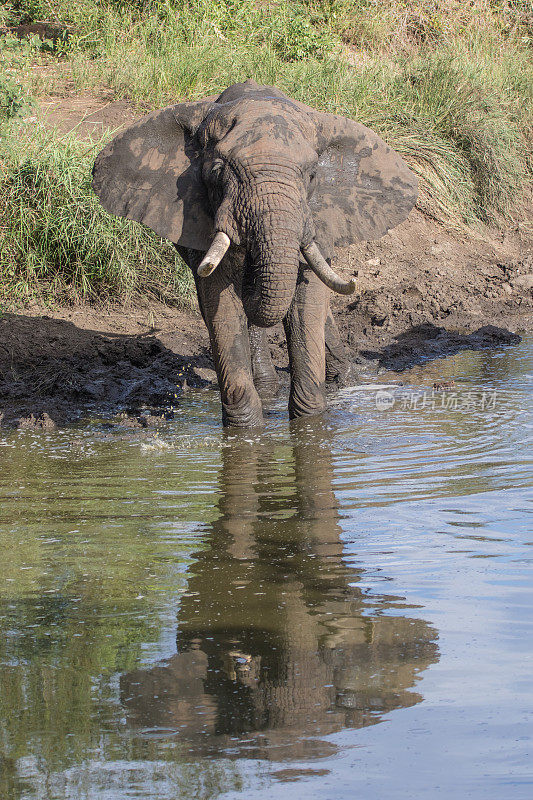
{"x":329,"y":608}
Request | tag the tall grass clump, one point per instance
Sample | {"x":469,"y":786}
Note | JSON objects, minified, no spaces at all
{"x":13,"y":101}
{"x":470,"y":102}
{"x":56,"y":240}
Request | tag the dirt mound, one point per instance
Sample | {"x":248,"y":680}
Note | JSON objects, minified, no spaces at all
{"x":44,"y":30}
{"x":423,"y":290}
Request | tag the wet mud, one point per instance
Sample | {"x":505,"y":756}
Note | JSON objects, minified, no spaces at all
{"x":53,"y":370}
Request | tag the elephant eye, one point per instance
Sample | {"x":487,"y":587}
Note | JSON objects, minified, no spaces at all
{"x":217,"y":168}
{"x":212,"y":170}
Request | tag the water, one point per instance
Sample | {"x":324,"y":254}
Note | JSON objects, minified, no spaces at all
{"x":335,"y":608}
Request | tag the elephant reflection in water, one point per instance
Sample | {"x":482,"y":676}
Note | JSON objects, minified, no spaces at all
{"x":276,"y":644}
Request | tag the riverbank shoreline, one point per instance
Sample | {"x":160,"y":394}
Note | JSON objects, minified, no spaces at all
{"x":423,"y":292}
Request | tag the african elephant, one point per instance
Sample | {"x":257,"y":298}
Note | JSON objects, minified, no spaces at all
{"x":255,"y":190}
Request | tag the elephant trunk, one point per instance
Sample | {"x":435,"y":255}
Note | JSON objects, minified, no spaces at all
{"x":274,"y":250}
{"x":275,"y":279}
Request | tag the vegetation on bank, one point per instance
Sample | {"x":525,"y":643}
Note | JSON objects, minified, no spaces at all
{"x":60,"y":244}
{"x":449,"y":84}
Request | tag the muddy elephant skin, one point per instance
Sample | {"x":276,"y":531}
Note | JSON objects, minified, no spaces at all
{"x":255,"y":190}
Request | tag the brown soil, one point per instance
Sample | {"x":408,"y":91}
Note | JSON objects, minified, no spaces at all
{"x":423,"y":292}
{"x":72,"y":361}
{"x":86,"y":115}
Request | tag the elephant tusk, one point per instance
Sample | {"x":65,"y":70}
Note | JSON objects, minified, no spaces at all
{"x":214,"y":255}
{"x":327,"y":275}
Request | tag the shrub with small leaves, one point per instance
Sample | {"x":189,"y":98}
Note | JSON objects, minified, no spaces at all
{"x":294,"y":37}
{"x":13,"y":100}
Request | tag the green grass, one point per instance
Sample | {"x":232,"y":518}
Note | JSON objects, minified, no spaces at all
{"x":448,"y":84}
{"x":58,"y":243}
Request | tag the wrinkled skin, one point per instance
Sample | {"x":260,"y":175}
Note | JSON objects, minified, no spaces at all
{"x":276,"y":178}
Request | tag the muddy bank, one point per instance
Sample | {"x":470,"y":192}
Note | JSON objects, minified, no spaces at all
{"x":423,"y":293}
{"x":54,"y":369}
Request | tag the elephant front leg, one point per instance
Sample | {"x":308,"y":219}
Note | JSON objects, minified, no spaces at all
{"x":305,"y":330}
{"x":337,"y":362}
{"x":265,"y":378}
{"x":228,"y":332}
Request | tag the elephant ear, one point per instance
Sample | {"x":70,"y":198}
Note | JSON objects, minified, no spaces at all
{"x":151,"y":173}
{"x":363,"y":188}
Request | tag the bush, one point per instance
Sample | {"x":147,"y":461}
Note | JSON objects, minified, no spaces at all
{"x":13,"y":100}
{"x":292,"y":35}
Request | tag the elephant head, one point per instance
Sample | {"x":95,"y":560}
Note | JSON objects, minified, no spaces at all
{"x":264,"y":172}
